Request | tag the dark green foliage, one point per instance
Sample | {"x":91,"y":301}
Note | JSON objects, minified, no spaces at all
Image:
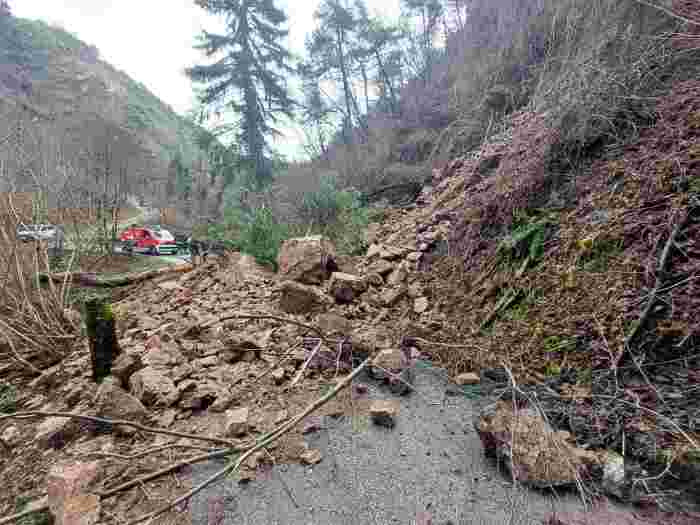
{"x":248,"y":74}
{"x":8,"y":398}
{"x":256,"y":233}
{"x":525,"y":242}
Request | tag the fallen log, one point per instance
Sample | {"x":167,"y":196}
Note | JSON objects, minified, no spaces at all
{"x":93,"y":279}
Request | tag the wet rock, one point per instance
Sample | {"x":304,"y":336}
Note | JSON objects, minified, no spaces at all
{"x":237,"y":421}
{"x":297,"y":298}
{"x":112,"y":402}
{"x":384,"y":412}
{"x":345,"y":288}
{"x":153,"y":388}
{"x":308,"y":260}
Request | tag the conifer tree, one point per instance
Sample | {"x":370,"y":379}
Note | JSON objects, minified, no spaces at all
{"x":248,"y":75}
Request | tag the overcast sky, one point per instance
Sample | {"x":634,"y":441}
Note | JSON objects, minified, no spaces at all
{"x":151,"y":40}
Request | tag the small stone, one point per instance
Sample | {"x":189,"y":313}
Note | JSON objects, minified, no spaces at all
{"x":296,"y":298}
{"x":281,"y":416}
{"x":278,"y":375}
{"x":333,"y":324}
{"x":223,"y":401}
{"x":382,"y":268}
{"x":11,"y":436}
{"x":54,"y":432}
{"x":311,"y":457}
{"x":237,"y":421}
{"x":398,"y":276}
{"x":374,"y":279}
{"x":167,"y":418}
{"x":249,"y":356}
{"x":125,"y":365}
{"x":392,"y":295}
{"x":212,"y":360}
{"x":469,"y":378}
{"x":420,"y":305}
{"x":360,"y":389}
{"x":384,"y":412}
{"x":312,"y":424}
{"x":153,"y":387}
{"x":345,"y":287}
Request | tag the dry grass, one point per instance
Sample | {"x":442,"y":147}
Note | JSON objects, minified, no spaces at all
{"x":35,"y":332}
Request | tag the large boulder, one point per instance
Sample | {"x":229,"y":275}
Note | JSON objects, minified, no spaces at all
{"x":533,"y":452}
{"x":298,"y":298}
{"x":153,"y":388}
{"x":308,"y":260}
{"x":113,"y":402}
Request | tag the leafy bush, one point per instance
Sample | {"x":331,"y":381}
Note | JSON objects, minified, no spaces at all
{"x":257,"y":233}
{"x":8,"y":398}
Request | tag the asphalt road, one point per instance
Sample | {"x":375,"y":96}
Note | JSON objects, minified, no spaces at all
{"x":431,"y":460}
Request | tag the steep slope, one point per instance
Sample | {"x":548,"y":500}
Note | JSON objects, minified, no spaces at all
{"x":60,"y":77}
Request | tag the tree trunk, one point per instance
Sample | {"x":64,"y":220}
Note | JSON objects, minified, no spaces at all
{"x":102,"y":337}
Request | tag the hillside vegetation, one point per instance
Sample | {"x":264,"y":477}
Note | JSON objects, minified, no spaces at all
{"x":64,"y":94}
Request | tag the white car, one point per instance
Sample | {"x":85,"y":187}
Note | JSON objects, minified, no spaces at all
{"x":36,"y":232}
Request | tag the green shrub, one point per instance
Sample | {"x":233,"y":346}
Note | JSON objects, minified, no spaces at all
{"x":8,"y":398}
{"x":256,"y":233}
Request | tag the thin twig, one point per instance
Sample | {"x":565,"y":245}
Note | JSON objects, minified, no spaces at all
{"x":657,"y":285}
{"x":22,"y":415}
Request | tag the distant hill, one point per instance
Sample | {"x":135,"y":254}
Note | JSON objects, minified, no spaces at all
{"x":47,"y":71}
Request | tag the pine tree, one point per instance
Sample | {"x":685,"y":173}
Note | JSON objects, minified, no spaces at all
{"x":331,"y":52}
{"x":248,"y":75}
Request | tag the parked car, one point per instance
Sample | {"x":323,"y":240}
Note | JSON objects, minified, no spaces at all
{"x":36,"y":232}
{"x":149,"y":240}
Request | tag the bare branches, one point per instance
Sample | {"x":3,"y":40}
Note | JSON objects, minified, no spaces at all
{"x":23,"y":415}
{"x":658,"y":284}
